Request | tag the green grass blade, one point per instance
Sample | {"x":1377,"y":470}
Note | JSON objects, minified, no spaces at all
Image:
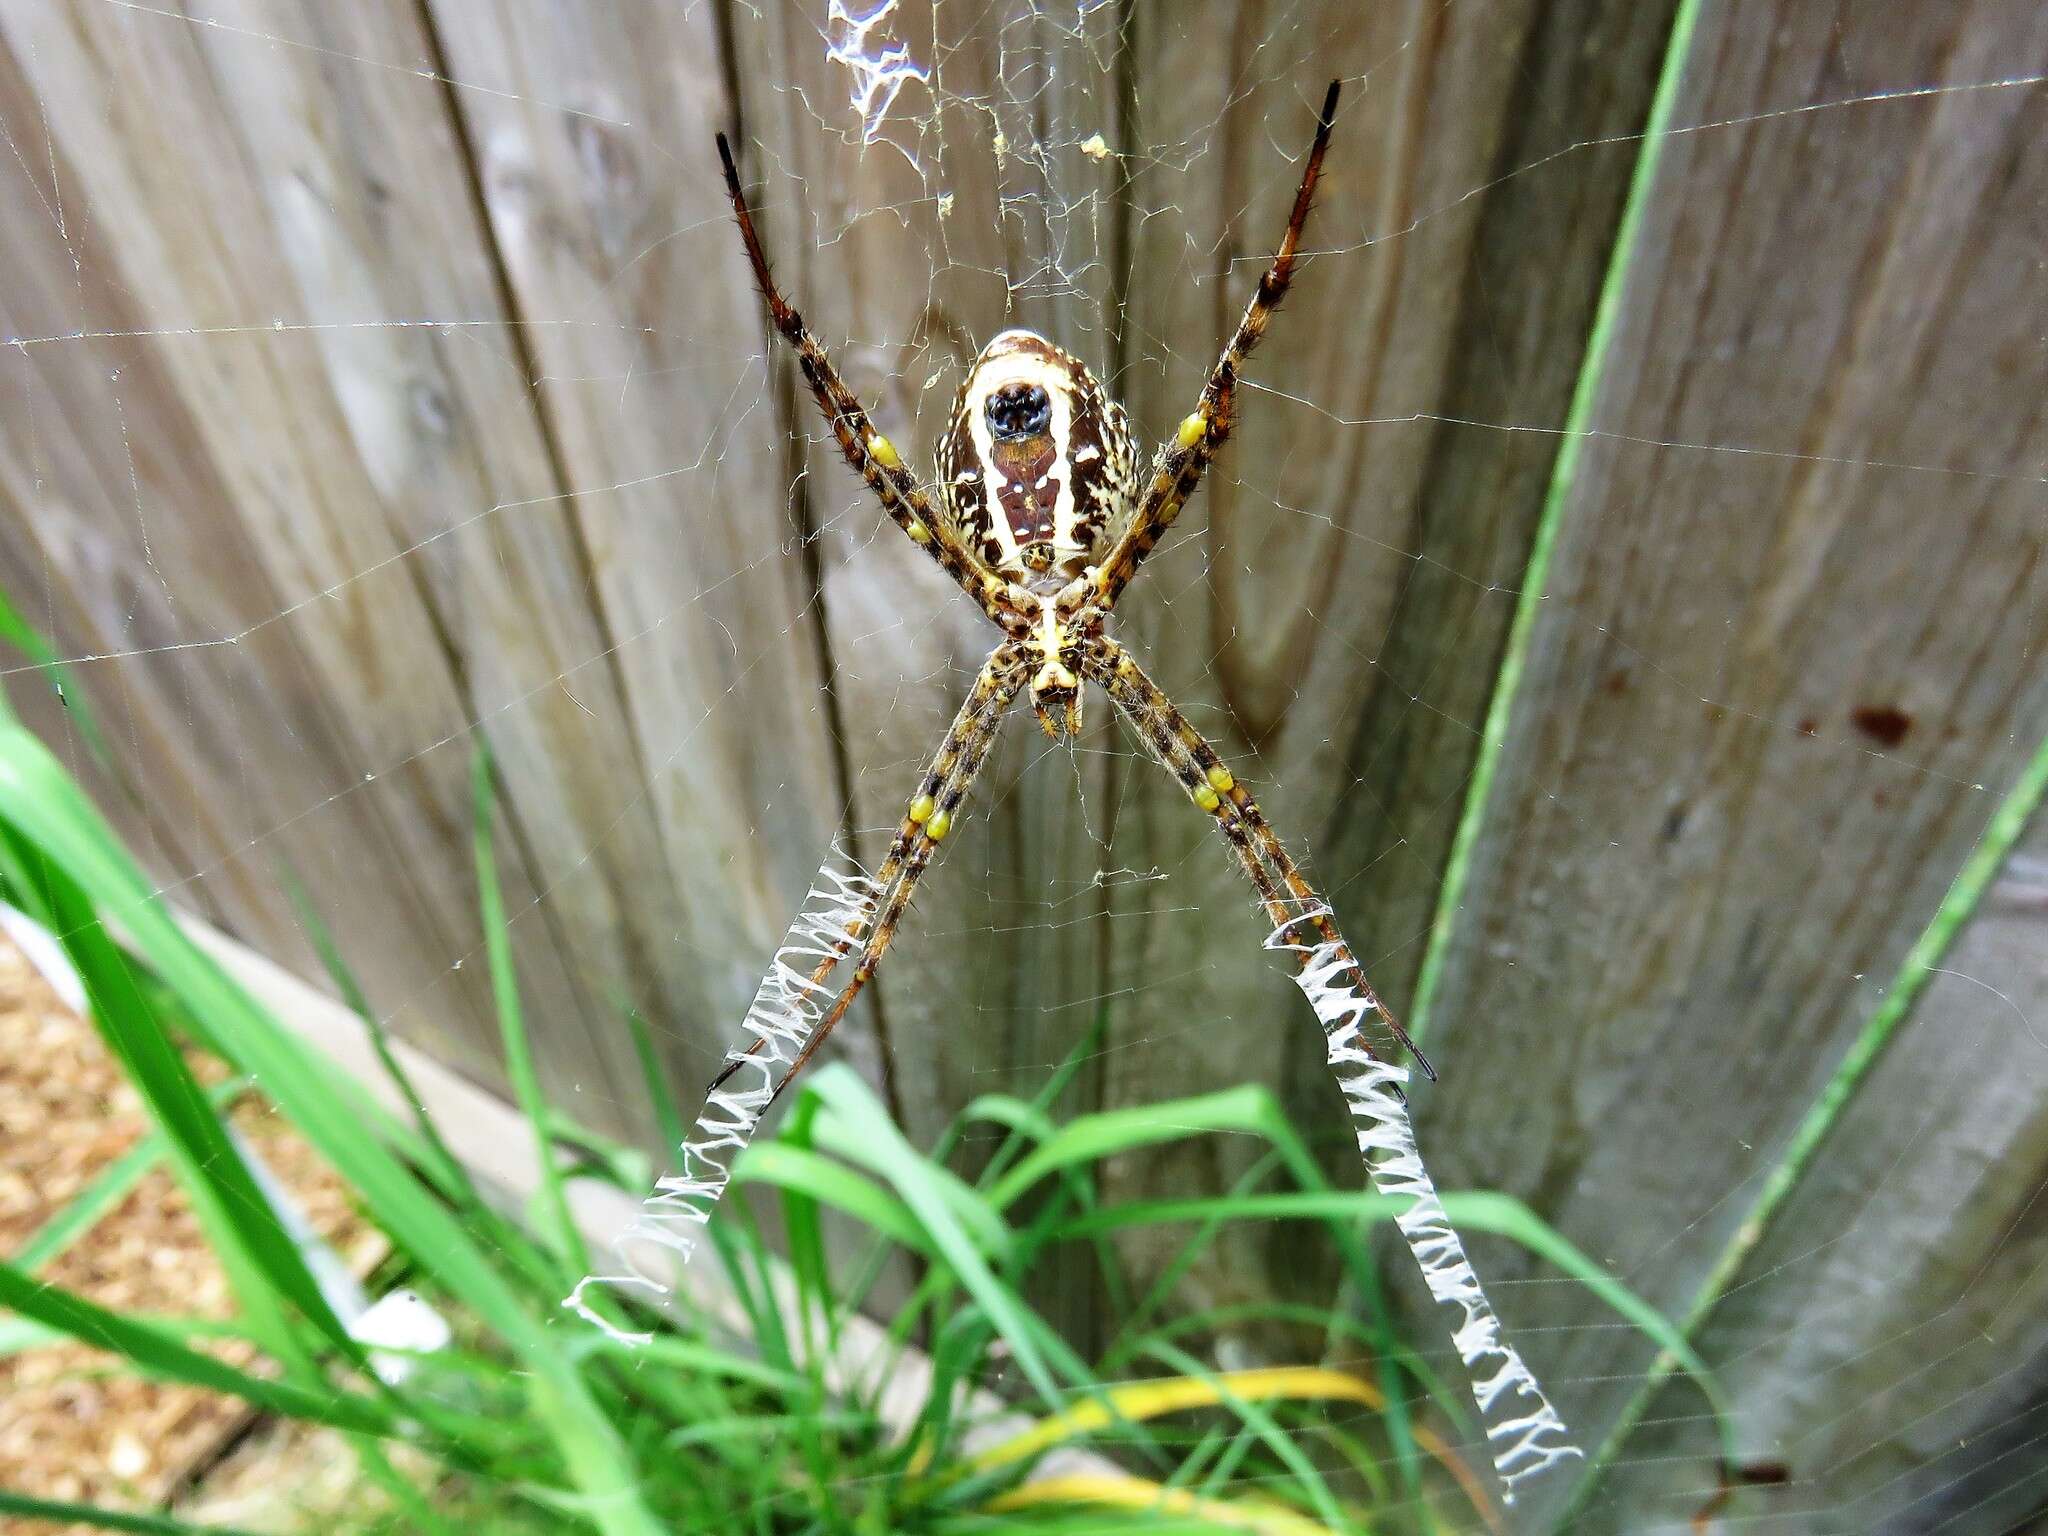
{"x":43,"y":803}
{"x":668,"y":1114}
{"x":448,"y":1167}
{"x":423,"y":1145}
{"x":18,"y":1336}
{"x":1453,"y":1402}
{"x":1133,"y":1321}
{"x":30,"y":641}
{"x":1262,"y":1425}
{"x":63,"y":1512}
{"x":777,"y":1164}
{"x":157,"y":1354}
{"x":855,"y":1142}
{"x":696,"y":1358}
{"x":1478,"y":1210}
{"x":1091,"y":1138}
{"x":263,"y":1263}
{"x":935,"y":1206}
{"x":519,"y":1067}
{"x":1248,"y":1109}
{"x":377,"y":1466}
{"x":109,"y":1188}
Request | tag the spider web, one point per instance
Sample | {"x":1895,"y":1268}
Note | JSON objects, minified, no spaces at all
{"x":381,"y":383}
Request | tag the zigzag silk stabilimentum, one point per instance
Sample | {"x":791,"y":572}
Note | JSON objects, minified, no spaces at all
{"x":785,"y":1010}
{"x":1524,"y":1433}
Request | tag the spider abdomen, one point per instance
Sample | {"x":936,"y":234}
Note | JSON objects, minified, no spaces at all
{"x":1036,"y":462}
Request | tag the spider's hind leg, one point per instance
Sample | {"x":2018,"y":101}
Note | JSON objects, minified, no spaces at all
{"x":925,"y":825}
{"x":1290,"y":901}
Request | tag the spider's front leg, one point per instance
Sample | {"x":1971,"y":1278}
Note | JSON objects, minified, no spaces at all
{"x":925,"y":825}
{"x":1182,"y":463}
{"x":873,"y":457}
{"x":1179,"y":748}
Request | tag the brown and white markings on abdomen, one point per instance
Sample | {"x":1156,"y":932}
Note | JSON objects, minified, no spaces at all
{"x":1037,"y":462}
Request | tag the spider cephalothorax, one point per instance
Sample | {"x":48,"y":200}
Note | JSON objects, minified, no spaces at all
{"x":1043,"y":517}
{"x":1036,"y":463}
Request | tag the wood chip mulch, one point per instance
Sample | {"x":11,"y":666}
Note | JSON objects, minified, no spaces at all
{"x":73,"y":1423}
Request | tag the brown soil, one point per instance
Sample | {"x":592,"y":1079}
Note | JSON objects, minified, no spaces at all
{"x":73,"y":1423}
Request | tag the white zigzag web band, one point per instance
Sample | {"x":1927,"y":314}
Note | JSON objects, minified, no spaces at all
{"x":786,"y":1008}
{"x":1523,"y":1431}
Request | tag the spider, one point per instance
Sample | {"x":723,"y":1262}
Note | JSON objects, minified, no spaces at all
{"x":1043,"y":517}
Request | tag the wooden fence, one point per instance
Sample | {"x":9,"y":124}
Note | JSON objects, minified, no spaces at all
{"x":1643,"y":527}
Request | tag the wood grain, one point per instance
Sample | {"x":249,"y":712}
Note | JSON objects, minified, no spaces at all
{"x":192,"y":515}
{"x":1787,"y":662}
{"x":1886,"y":1341}
{"x":591,"y":138}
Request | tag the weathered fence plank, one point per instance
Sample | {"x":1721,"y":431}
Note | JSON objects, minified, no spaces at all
{"x":156,"y":170}
{"x":1331,"y":608}
{"x":592,"y":137}
{"x":1888,"y":1340}
{"x":523,"y":462}
{"x":974,"y":210}
{"x":1788,"y":659}
{"x":70,"y":562}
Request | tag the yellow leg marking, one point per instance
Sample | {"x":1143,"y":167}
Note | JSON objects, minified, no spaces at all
{"x":1193,"y":429}
{"x":884,"y":453}
{"x":940,"y":824}
{"x":1207,"y":798}
{"x":921,"y":809}
{"x":1221,"y":779}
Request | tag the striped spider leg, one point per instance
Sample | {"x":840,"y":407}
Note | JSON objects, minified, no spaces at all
{"x":1181,"y":463}
{"x":1181,"y":750}
{"x":873,"y":457}
{"x":925,"y":824}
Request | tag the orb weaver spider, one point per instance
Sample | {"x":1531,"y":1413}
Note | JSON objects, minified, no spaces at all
{"x":1043,"y":519}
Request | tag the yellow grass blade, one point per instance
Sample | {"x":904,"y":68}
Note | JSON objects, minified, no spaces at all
{"x":1143,"y":1493}
{"x":1140,"y":1400}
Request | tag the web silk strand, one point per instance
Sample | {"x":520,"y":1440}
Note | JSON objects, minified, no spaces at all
{"x":1523,"y":1432}
{"x":786,"y":1009}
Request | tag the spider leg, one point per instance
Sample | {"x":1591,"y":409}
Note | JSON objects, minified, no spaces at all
{"x":1283,"y":890}
{"x":925,"y":824}
{"x":1181,"y":463}
{"x":873,"y":457}
{"x":969,"y":751}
